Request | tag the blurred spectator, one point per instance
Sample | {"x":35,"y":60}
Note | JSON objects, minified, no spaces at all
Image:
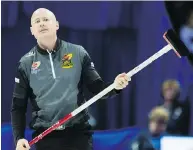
{"x":179,"y":111}
{"x":150,"y":140}
{"x":186,"y":31}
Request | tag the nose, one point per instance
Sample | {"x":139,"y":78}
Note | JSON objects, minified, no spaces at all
{"x":42,"y":24}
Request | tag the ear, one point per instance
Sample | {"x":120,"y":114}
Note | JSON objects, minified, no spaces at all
{"x":31,"y":30}
{"x":57,"y":25}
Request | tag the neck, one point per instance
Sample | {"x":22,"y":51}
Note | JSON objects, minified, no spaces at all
{"x":167,"y":103}
{"x":47,"y":43}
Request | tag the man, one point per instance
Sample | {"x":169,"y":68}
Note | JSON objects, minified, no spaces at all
{"x":52,"y":75}
{"x":150,"y":140}
{"x":179,"y":111}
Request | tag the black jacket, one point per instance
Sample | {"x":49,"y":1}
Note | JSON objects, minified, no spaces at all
{"x":179,"y":120}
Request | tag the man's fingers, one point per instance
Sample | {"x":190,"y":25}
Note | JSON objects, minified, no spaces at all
{"x":27,"y":145}
{"x":21,"y":148}
{"x":123,"y":80}
{"x":127,"y":79}
{"x":22,"y":144}
{"x":125,"y":76}
{"x":122,"y":83}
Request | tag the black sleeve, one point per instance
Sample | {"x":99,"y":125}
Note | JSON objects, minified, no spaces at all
{"x":190,"y":58}
{"x":92,"y":79}
{"x":19,"y":104}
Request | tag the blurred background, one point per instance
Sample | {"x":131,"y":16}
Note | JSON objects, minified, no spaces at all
{"x":118,"y":36}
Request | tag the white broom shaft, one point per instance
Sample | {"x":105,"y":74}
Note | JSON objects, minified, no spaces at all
{"x":161,"y":52}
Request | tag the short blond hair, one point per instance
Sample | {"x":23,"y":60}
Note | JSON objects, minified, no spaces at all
{"x":159,"y":113}
{"x":171,"y":83}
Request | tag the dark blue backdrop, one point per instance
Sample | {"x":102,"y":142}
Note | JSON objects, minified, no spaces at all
{"x":118,"y":36}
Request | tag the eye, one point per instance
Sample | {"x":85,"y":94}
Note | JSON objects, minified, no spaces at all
{"x":37,"y":21}
{"x":45,"y":19}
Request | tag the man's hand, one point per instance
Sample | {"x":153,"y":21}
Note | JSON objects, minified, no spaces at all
{"x":22,"y":144}
{"x":121,"y":81}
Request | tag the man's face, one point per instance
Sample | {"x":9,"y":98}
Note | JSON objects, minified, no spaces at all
{"x":43,"y":24}
{"x":157,"y":128}
{"x":169,"y":94}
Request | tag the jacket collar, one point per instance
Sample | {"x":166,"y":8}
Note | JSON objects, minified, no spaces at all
{"x":56,"y":48}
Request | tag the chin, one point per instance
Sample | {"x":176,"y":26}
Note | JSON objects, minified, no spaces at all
{"x":45,"y":35}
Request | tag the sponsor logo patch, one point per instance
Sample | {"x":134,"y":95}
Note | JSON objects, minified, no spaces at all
{"x":35,"y":67}
{"x":67,"y":61}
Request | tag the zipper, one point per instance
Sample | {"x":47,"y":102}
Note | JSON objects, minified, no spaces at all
{"x":52,"y":65}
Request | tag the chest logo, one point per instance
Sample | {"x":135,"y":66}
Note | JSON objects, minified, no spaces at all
{"x":35,"y":67}
{"x":67,"y":61}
